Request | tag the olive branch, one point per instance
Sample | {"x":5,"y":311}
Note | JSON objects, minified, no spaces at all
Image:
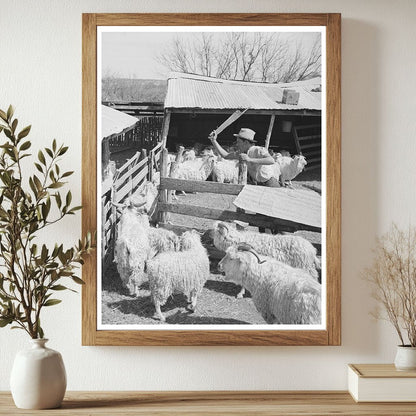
{"x":31,"y":274}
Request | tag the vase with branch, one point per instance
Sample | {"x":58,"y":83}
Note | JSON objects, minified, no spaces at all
{"x":32,"y":273}
{"x":393,"y":278}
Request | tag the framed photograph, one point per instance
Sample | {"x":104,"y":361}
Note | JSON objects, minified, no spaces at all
{"x":211,"y":172}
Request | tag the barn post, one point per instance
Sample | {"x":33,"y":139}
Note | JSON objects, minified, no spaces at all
{"x":269,"y":132}
{"x":165,"y":128}
{"x":163,"y":194}
{"x":113,"y":221}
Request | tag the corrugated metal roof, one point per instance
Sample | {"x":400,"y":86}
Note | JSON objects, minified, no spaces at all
{"x":114,"y":121}
{"x":198,"y":92}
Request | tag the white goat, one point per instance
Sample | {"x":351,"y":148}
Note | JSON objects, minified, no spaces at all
{"x":196,"y":170}
{"x":162,"y":240}
{"x":293,"y":250}
{"x":185,"y":271}
{"x":290,"y":167}
{"x":132,"y":246}
{"x":226,"y":171}
{"x":188,"y":155}
{"x":282,"y":294}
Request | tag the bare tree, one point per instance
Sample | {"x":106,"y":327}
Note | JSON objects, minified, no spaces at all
{"x":265,"y":57}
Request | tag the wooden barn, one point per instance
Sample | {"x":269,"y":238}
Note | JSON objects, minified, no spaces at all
{"x":284,"y":116}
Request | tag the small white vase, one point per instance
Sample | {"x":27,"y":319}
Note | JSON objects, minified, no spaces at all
{"x":405,"y":358}
{"x":38,"y":377}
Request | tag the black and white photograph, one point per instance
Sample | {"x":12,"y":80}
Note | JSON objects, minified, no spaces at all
{"x":212,"y":195}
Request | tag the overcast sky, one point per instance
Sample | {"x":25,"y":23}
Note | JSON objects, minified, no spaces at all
{"x":133,"y":54}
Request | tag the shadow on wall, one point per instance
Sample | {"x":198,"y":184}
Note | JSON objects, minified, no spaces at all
{"x":361,"y":185}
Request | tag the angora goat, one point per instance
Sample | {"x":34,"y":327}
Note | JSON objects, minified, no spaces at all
{"x":290,"y":249}
{"x":226,"y":171}
{"x":290,"y":167}
{"x":282,"y":294}
{"x":161,"y":240}
{"x":185,"y":272}
{"x":132,"y":247}
{"x":196,"y":170}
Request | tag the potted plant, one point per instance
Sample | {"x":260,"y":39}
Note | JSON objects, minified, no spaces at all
{"x":31,"y":273}
{"x":393,"y":277}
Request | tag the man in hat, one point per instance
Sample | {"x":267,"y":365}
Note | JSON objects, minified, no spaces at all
{"x":260,"y":165}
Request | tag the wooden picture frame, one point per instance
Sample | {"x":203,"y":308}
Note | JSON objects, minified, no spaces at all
{"x":331,"y":334}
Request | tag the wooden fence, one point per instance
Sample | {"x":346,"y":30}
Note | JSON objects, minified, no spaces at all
{"x":166,"y":206}
{"x":127,"y":179}
{"x":144,"y":135}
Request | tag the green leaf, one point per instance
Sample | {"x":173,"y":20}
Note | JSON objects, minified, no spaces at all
{"x":40,"y":332}
{"x":3,"y":115}
{"x":41,"y":157}
{"x":78,"y":280}
{"x":45,"y":211}
{"x":8,"y":133}
{"x":63,"y":150}
{"x":58,"y":199}
{"x":10,"y":112}
{"x":56,"y":185}
{"x":39,"y":167}
{"x":59,"y":287}
{"x":25,"y":145}
{"x":37,"y":183}
{"x":68,"y":199}
{"x":14,"y":125}
{"x":49,"y":151}
{"x":67,"y":174}
{"x":44,"y":253}
{"x":24,"y":132}
{"x":5,"y":321}
{"x":54,"y":145}
{"x":51,"y":302}
{"x":77,"y":208}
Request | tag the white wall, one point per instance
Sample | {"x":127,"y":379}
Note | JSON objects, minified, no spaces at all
{"x":40,"y":73}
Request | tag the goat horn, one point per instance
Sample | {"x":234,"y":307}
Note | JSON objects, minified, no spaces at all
{"x":223,"y":225}
{"x":250,"y":249}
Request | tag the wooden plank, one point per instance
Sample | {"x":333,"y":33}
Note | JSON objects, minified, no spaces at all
{"x":200,"y":186}
{"x":212,"y":19}
{"x":163,"y":194}
{"x":139,"y":178}
{"x":309,"y":146}
{"x":121,"y":194}
{"x":120,"y":180}
{"x":89,"y":173}
{"x":165,"y":128}
{"x":381,"y":371}
{"x":129,"y":162}
{"x":269,"y":131}
{"x":314,"y":136}
{"x":333,"y":178}
{"x":309,"y":126}
{"x":213,"y":403}
{"x":225,"y":215}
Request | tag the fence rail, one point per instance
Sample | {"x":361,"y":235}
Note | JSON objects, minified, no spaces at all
{"x":127,"y":180}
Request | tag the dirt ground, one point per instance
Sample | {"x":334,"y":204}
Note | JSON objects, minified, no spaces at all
{"x":217,"y":304}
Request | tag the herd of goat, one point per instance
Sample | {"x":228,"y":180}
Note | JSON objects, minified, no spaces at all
{"x":195,"y":165}
{"x":281,"y":272}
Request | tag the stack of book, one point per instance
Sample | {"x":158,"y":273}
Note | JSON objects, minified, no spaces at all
{"x":381,"y":383}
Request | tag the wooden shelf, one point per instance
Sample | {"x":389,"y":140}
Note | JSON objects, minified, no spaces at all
{"x":317,"y":403}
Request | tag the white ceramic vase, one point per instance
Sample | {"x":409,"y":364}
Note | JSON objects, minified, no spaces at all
{"x":38,"y":378}
{"x":405,"y":358}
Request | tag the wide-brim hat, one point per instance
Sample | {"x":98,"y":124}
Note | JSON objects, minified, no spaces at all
{"x":246,"y":134}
